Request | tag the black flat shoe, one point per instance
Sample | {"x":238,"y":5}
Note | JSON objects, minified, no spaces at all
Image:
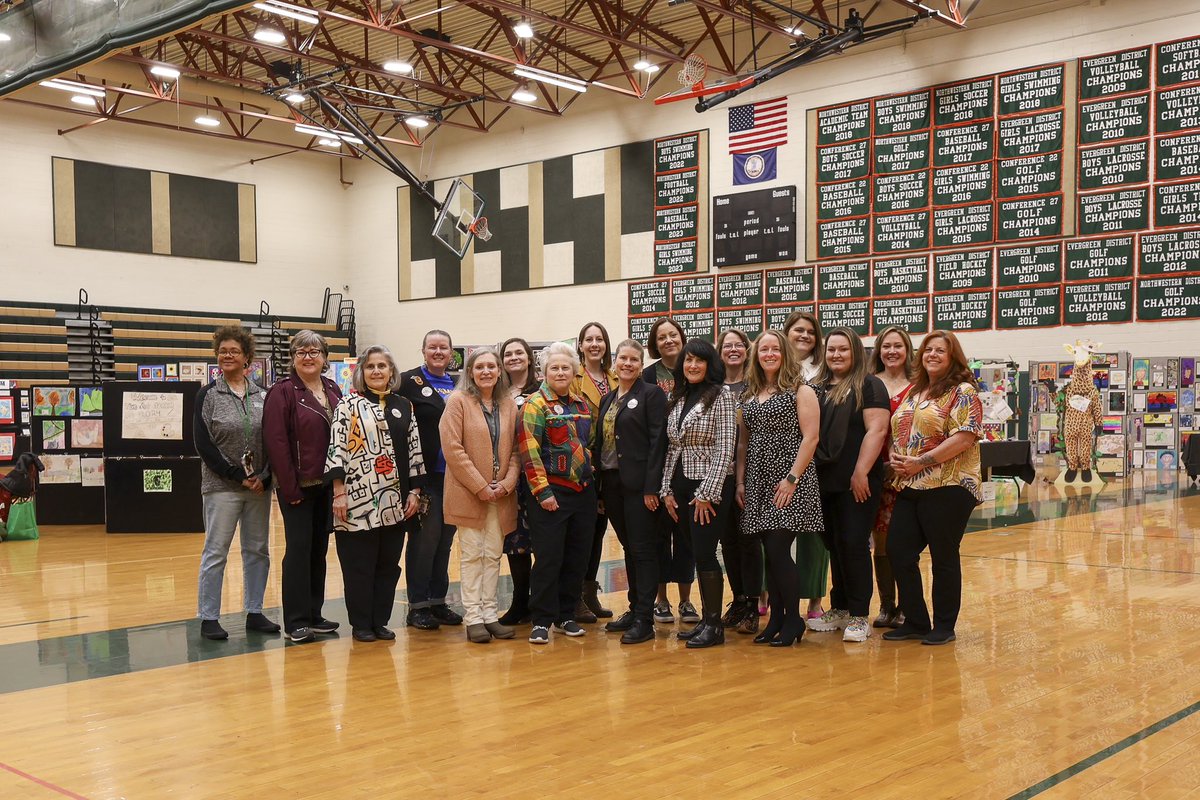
{"x":211,"y":629}
{"x":445,"y":615}
{"x":364,"y":635}
{"x":621,"y":623}
{"x":386,"y":634}
{"x":936,"y":637}
{"x":903,"y":633}
{"x":641,"y":631}
{"x":422,"y":619}
{"x":260,"y":624}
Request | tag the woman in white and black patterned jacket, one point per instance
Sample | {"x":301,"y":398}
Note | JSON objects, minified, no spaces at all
{"x":698,"y":485}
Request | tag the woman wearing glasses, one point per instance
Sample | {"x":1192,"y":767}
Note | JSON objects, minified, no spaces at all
{"x":297,"y":417}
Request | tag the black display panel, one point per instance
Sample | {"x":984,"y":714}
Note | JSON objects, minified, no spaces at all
{"x":754,"y":227}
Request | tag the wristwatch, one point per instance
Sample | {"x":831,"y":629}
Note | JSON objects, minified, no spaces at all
{"x":792,"y":479}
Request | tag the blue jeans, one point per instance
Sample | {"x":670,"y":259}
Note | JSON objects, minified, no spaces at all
{"x":222,"y":513}
{"x":427,"y":559}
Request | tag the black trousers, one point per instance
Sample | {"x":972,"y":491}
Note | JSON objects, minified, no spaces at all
{"x":676,"y":564}
{"x":847,"y":537}
{"x":636,"y":528}
{"x":593,"y":567}
{"x":562,"y":540}
{"x":306,"y":528}
{"x":937,"y":519}
{"x":370,"y":571}
{"x":704,"y":536}
{"x":427,"y":559}
{"x":743,"y":556}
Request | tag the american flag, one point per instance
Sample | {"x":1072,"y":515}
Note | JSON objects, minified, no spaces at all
{"x":758,"y":126}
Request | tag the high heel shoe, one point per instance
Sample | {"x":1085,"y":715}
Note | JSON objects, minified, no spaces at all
{"x":793,"y":631}
{"x":769,"y":633}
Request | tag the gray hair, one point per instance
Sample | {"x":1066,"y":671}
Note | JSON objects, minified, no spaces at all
{"x":466,"y":380}
{"x":359,"y":381}
{"x":305,"y":339}
{"x":557,"y":349}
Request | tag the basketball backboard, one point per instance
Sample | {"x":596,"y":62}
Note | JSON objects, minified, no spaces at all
{"x":458,"y":214}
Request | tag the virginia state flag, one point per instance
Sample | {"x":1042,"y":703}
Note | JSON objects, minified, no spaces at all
{"x":754,"y":167}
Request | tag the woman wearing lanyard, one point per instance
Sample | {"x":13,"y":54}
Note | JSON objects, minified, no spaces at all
{"x":478,"y":434}
{"x":377,"y":472}
{"x":297,"y":415}
{"x":234,"y":477}
{"x":892,"y":364}
{"x":743,"y":554}
{"x":593,"y":382}
{"x":676,"y":563}
{"x":776,"y":479}
{"x":522,"y":382}
{"x":935,"y":458}
{"x":697,"y":486}
{"x":556,"y":439}
{"x":629,"y":451}
{"x":812,"y":559}
{"x":427,"y":561}
{"x":851,"y":483}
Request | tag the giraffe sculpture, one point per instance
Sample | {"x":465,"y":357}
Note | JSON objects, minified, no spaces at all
{"x":1081,"y":416}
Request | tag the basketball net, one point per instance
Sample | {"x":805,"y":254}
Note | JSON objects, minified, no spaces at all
{"x":693,"y":71}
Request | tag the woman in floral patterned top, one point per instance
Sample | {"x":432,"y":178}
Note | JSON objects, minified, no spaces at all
{"x":935,"y":462}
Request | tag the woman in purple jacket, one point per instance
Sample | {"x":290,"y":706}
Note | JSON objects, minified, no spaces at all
{"x":296,"y":427}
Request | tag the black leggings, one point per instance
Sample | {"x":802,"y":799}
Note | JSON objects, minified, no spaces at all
{"x":593,"y":567}
{"x":783,"y":582}
{"x":743,"y":557}
{"x":847,"y":536}
{"x":704,"y":536}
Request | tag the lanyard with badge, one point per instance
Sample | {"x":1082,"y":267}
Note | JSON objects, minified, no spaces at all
{"x":493,"y":423}
{"x":247,"y":452}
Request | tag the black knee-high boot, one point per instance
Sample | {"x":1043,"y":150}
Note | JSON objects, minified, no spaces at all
{"x":712,"y":588}
{"x":520,"y":565}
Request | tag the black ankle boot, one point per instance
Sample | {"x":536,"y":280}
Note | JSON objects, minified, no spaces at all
{"x":1070,"y":478}
{"x":712,"y":587}
{"x":713,"y":633}
{"x":690,"y":632}
{"x":1087,"y":476}
{"x":519,"y":565}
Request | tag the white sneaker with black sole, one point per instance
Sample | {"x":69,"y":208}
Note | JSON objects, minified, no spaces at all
{"x":570,"y":627}
{"x":857,"y":630}
{"x":835,"y":619}
{"x":539,"y":635}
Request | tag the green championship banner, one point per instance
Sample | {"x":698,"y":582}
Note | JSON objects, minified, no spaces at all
{"x":748,"y":320}
{"x":1175,"y":297}
{"x":639,"y":327}
{"x":903,"y":275}
{"x":971,"y":269}
{"x":845,"y":123}
{"x":1033,"y":89}
{"x":1032,"y":135}
{"x":843,"y":162}
{"x":738,"y":289}
{"x":901,"y":113}
{"x":1179,"y":61}
{"x":852,"y":314}
{"x":970,"y":183}
{"x":1169,"y":253}
{"x":963,"y":311}
{"x":1176,"y":204}
{"x":1020,"y":177}
{"x":697,"y":324}
{"x":1119,"y":118}
{"x":674,"y":257}
{"x":649,"y":297}
{"x":692,"y":294}
{"x":843,"y":237}
{"x":790,"y":285}
{"x":1095,"y":259}
{"x":840,"y":200}
{"x":1114,"y":164}
{"x":966,"y":101}
{"x":964,"y":225}
{"x":1029,"y":264}
{"x":776,"y":316}
{"x":1177,"y":157}
{"x":1030,"y":217}
{"x":1177,"y":109}
{"x":910,"y":313}
{"x":964,"y":144}
{"x":903,"y":153}
{"x":901,"y":192}
{"x":844,"y":281}
{"x":1108,"y":212}
{"x":897,"y":232}
{"x":1099,"y":303}
{"x":1029,"y":307}
{"x":677,"y":189}
{"x":1115,"y":73}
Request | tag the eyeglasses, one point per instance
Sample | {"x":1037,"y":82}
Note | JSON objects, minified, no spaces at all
{"x":308,"y":354}
{"x":733,"y":346}
{"x":229,"y":352}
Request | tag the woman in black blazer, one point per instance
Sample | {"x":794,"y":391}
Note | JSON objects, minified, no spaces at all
{"x":628,"y":452}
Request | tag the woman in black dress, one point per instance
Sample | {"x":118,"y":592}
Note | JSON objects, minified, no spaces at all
{"x":776,"y":479}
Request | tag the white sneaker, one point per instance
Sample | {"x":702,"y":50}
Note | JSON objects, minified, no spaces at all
{"x":835,"y":619}
{"x":857,"y":630}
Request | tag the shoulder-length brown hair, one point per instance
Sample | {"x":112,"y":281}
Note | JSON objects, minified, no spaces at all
{"x":652,"y":337}
{"x":789,"y":378}
{"x":532,"y":382}
{"x":606,"y":359}
{"x":853,"y":384}
{"x":877,"y":360}
{"x":818,"y":352}
{"x":959,"y":372}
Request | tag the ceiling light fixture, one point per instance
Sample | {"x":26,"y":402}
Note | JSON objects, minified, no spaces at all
{"x":399,"y":67}
{"x":329,"y":143}
{"x":291,"y":12}
{"x":295,"y":98}
{"x":646,"y":66}
{"x":165,"y":71}
{"x":84,"y":100}
{"x":417,"y":122}
{"x":553,"y":78}
{"x":208,"y":122}
{"x":270,"y":36}
{"x":73,"y":86}
{"x":523,"y":95}
{"x":523,"y":30}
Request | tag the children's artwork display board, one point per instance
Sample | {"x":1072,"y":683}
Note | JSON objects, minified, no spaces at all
{"x":1047,"y":380}
{"x":152,"y":472}
{"x":153,"y":495}
{"x":14,"y":422}
{"x":66,"y":426}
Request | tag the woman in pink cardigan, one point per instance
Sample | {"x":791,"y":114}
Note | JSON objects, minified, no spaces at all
{"x":478,"y":432}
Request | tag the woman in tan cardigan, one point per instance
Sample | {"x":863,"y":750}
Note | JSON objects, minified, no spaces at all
{"x":478,"y":433}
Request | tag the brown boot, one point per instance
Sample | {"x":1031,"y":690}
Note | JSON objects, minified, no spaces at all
{"x":589,"y":595}
{"x":583,"y":613}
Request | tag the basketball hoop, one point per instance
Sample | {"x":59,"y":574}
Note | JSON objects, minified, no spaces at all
{"x":692,"y":81}
{"x":693,"y":71}
{"x":480,"y":228}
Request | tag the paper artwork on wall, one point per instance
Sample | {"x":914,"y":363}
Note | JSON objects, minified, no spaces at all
{"x":214,"y":372}
{"x":258,"y":372}
{"x":56,"y":401}
{"x":1139,"y":401}
{"x":1141,"y":373}
{"x":1167,"y":459}
{"x":156,"y":480}
{"x":1160,"y":437}
{"x":1187,"y":372}
{"x":87,"y":434}
{"x":8,"y":445}
{"x":158,"y":372}
{"x":8,"y":413}
{"x":152,"y":415}
{"x":143,"y":373}
{"x":1116,"y":378}
{"x":1047,"y":421}
{"x":62,"y":468}
{"x":1112,"y":423}
{"x":193,"y":371}
{"x":1187,"y":399}
{"x":54,"y":434}
{"x":1046,"y":371}
{"x":1110,"y":444}
{"x":92,"y":471}
{"x":1162,"y":401}
{"x":1116,"y":402}
{"x":91,"y":401}
{"x":172,"y":370}
{"x":1043,"y":441}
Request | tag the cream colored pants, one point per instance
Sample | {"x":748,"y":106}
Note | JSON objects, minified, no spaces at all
{"x":479,"y":567}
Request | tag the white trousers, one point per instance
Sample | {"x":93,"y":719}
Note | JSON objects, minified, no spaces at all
{"x":479,"y":567}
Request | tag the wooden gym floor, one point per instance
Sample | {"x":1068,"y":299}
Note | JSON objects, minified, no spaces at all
{"x":1076,"y":674}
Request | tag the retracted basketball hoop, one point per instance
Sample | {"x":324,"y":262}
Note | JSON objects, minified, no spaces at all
{"x":460,"y":219}
{"x":692,"y":81}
